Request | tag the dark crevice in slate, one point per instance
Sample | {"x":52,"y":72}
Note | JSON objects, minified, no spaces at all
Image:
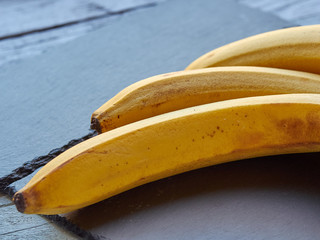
{"x":29,"y":167}
{"x":6,"y":205}
{"x":23,"y":229}
{"x":107,"y":14}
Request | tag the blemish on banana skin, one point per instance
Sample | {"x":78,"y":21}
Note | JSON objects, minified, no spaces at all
{"x":246,"y":138}
{"x":211,"y":54}
{"x":297,"y":128}
{"x":293,"y":127}
{"x":313,"y":120}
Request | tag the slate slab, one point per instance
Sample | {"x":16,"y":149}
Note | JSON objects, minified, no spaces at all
{"x":48,"y":100}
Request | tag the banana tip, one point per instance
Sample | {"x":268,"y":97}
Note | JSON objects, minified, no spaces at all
{"x":95,"y":124}
{"x":19,"y":201}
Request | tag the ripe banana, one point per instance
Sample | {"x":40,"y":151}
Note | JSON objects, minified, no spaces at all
{"x":178,"y":90}
{"x":172,"y":143}
{"x":296,"y":48}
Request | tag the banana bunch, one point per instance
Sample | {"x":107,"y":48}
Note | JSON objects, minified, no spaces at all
{"x":180,"y":121}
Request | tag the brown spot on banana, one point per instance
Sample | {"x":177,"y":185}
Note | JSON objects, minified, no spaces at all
{"x":250,"y":138}
{"x":313,"y":120}
{"x":210,"y":54}
{"x":293,"y":127}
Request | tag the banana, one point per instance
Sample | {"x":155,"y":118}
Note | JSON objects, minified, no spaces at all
{"x":296,"y":48}
{"x":173,"y":143}
{"x":173,"y":91}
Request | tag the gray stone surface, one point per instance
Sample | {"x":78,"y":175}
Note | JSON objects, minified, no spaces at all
{"x":31,"y":27}
{"x":300,"y":12}
{"x":47,"y":101}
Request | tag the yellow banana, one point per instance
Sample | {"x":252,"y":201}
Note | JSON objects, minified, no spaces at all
{"x":296,"y":48}
{"x":178,"y":90}
{"x":172,"y":143}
